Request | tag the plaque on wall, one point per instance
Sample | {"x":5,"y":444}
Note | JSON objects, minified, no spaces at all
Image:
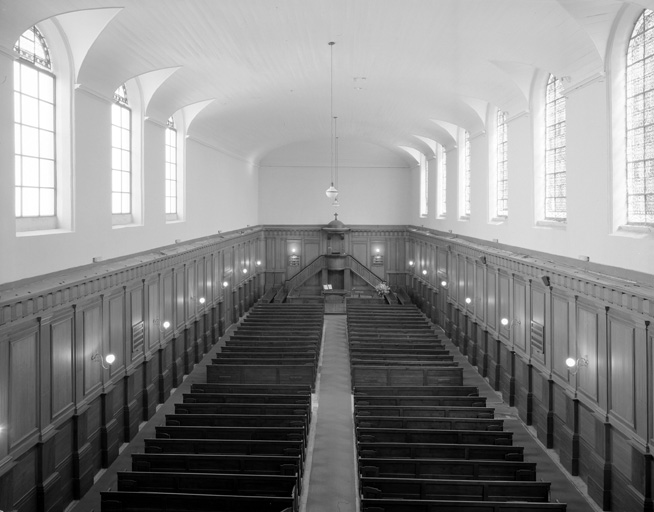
{"x":138,"y":335}
{"x":293,"y":260}
{"x":377,"y":260}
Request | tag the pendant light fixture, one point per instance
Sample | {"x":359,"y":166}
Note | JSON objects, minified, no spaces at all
{"x":335,"y":202}
{"x":332,"y":192}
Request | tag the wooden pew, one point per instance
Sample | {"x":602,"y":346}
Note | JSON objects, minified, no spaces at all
{"x":392,"y":435}
{"x":236,"y":420}
{"x":216,"y":463}
{"x":468,"y":490}
{"x":394,"y":345}
{"x":288,"y":389}
{"x":423,"y":412}
{"x":447,"y":469}
{"x":262,"y":374}
{"x":208,"y":483}
{"x":307,"y":339}
{"x":254,"y":433}
{"x":115,"y":501}
{"x":290,"y":352}
{"x":384,"y":352}
{"x":445,"y":362}
{"x":245,"y":398}
{"x":492,"y":424}
{"x":225,"y":446}
{"x":394,"y":505}
{"x":240,"y":408}
{"x":405,"y":376}
{"x":439,"y":451}
{"x":421,"y":401}
{"x":270,"y":360}
{"x":416,"y":390}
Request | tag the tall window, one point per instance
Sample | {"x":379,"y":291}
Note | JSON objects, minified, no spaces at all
{"x":555,"y":141}
{"x":441,"y":196}
{"x":466,"y":177}
{"x":171,"y":168}
{"x":502,"y":175}
{"x":424,"y":186}
{"x":121,"y":154}
{"x":640,"y":122}
{"x":34,"y":122}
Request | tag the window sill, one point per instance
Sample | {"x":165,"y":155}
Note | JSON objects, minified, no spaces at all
{"x":464,"y":218}
{"x":552,"y":224}
{"x":635,"y":231}
{"x":498,"y":220}
{"x":42,"y":232}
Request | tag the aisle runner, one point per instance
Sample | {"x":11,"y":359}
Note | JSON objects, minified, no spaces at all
{"x":332,"y":478}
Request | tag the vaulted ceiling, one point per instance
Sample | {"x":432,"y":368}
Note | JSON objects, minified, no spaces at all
{"x":257,"y":72}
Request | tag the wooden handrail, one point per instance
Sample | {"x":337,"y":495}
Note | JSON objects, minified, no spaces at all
{"x":362,"y":271}
{"x":304,"y":274}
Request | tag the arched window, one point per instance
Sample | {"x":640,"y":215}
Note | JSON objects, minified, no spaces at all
{"x":640,"y":122}
{"x":424,"y":186}
{"x":34,"y":121}
{"x":502,"y":175}
{"x":441,"y":195}
{"x":555,"y":142}
{"x":121,"y":157}
{"x":466,"y":176}
{"x":171,"y":168}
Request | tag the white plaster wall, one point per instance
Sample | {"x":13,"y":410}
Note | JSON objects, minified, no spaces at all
{"x":374,"y":185}
{"x":221,"y":193}
{"x":588,"y":231}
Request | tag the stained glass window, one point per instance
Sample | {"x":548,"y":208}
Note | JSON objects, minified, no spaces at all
{"x":640,"y":122}
{"x":424,"y":186}
{"x":171,"y":167}
{"x":466,"y":176}
{"x":442,"y":183}
{"x":502,"y":176}
{"x":34,"y":128}
{"x":555,"y":143}
{"x":121,"y":153}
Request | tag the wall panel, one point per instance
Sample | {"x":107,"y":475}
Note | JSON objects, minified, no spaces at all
{"x":23,"y":394}
{"x":62,"y":355}
{"x":622,"y":339}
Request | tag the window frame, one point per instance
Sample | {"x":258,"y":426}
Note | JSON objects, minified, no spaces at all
{"x":551,"y":133}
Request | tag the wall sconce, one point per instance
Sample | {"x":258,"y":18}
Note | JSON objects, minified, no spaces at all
{"x":574,"y":364}
{"x":225,"y":284}
{"x":258,"y":263}
{"x":411,"y":263}
{"x":201,"y":300}
{"x":161,"y":326}
{"x":509,"y":325}
{"x":245,"y":270}
{"x":468,"y":300}
{"x":97,"y":357}
{"x":546,"y":280}
{"x":424,"y":272}
{"x":444,"y":283}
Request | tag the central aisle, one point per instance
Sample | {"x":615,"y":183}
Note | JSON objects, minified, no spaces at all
{"x":332,"y":478}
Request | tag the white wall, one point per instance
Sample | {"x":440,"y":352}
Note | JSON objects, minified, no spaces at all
{"x":221,"y":194}
{"x":588,"y":231}
{"x":374,"y":185}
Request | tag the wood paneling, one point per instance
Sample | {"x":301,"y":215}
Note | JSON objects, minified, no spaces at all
{"x":92,"y":343}
{"x":560,"y":328}
{"x":180,"y":300}
{"x":491,"y":298}
{"x":117,"y":332}
{"x":23,"y":395}
{"x":622,"y":339}
{"x":587,"y":346}
{"x":62,"y":354}
{"x":504,"y":300}
{"x":520,"y":327}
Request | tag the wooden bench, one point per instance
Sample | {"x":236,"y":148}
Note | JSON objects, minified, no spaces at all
{"x":416,"y":390}
{"x":225,"y":446}
{"x":447,"y":469}
{"x":421,"y":401}
{"x":394,"y":345}
{"x":245,"y":398}
{"x":420,"y":362}
{"x":270,"y":360}
{"x":251,"y":388}
{"x":262,"y":374}
{"x":236,"y":420}
{"x":439,"y":451}
{"x":115,"y":501}
{"x":393,"y":505}
{"x":392,"y":435}
{"x":207,"y":483}
{"x":468,"y":490}
{"x":254,"y":433}
{"x":308,"y":339}
{"x":424,"y":412}
{"x":405,"y":376}
{"x":385,"y":352}
{"x":493,"y":424}
{"x":216,"y":463}
{"x":249,"y":409}
{"x":236,"y":351}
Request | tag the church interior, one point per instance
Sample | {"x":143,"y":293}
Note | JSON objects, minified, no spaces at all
{"x":332,"y":199}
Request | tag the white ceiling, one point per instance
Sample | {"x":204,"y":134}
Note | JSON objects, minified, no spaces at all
{"x":402,"y":68}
